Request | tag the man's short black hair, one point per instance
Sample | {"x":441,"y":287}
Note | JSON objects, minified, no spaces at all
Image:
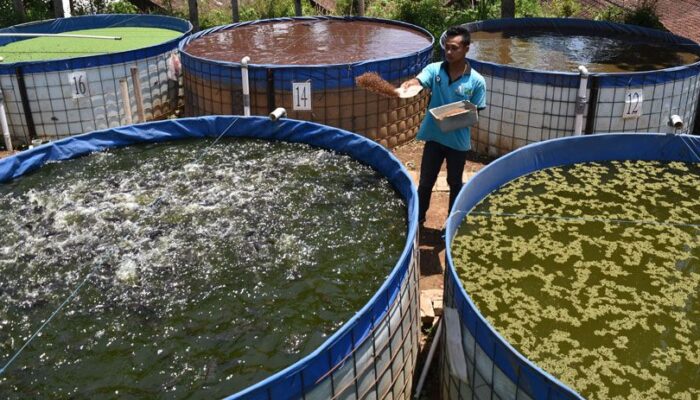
{"x":459,"y":30}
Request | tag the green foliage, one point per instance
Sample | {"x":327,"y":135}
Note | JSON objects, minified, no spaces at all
{"x":343,"y":7}
{"x":528,"y":8}
{"x":611,"y":13}
{"x":255,"y":9}
{"x":644,"y":14}
{"x":487,"y":9}
{"x":34,"y":9}
{"x":7,"y":14}
{"x":89,"y":7}
{"x":436,"y":17}
{"x":565,"y":8}
{"x":122,"y":7}
{"x":263,"y":9}
{"x":429,"y":14}
{"x":381,"y":9}
{"x":215,"y":18}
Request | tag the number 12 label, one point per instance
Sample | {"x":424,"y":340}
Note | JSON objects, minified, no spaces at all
{"x":301,"y":93}
{"x":633,"y":104}
{"x":78,"y":84}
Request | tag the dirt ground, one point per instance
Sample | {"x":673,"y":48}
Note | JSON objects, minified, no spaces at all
{"x":432,"y":246}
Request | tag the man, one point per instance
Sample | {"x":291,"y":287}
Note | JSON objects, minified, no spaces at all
{"x":449,"y":81}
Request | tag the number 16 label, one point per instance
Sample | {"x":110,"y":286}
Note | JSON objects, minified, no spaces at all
{"x":633,"y":104}
{"x":301,"y":94}
{"x":78,"y":84}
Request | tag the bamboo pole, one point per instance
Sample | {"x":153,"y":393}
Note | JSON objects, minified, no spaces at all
{"x":124,"y":89}
{"x":137,"y":94}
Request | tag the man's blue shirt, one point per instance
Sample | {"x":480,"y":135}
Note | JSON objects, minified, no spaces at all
{"x":470,"y":87}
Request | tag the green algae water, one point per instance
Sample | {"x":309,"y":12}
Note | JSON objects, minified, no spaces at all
{"x":592,"y":272}
{"x":207,"y":276}
{"x":50,"y":48}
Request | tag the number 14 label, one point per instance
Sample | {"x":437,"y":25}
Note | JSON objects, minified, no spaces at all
{"x":301,"y":93}
{"x":633,"y":104}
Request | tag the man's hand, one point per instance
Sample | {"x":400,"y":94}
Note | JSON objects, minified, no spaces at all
{"x":409,"y":83}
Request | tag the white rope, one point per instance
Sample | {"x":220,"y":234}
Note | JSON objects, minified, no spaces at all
{"x":46,"y":322}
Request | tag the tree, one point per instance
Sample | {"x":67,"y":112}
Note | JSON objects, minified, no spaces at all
{"x":507,"y":8}
{"x":194,"y":14}
{"x":359,"y":6}
{"x":19,"y":9}
{"x":234,"y":11}
{"x":58,"y":8}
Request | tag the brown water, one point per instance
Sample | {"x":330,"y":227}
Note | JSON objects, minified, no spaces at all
{"x":553,"y":51}
{"x":309,"y":42}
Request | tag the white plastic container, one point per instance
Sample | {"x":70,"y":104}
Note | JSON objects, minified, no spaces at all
{"x":457,"y":115}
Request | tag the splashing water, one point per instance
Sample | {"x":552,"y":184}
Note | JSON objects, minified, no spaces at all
{"x":210,"y":275}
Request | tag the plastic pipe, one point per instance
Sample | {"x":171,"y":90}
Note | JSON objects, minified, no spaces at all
{"x":676,"y":122}
{"x":3,"y":123}
{"x":278,"y":113}
{"x":428,"y":360}
{"x":60,"y":35}
{"x":581,"y":100}
{"x":246,"y":86}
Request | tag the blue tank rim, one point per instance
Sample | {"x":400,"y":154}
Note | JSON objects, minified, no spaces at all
{"x":292,"y":130}
{"x":185,"y":41}
{"x":607,"y":78}
{"x":59,"y":25}
{"x":552,"y":153}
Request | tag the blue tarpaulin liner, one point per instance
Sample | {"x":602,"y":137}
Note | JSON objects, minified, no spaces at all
{"x":584,"y":27}
{"x":558,"y":152}
{"x":62,"y":25}
{"x":326,"y":76}
{"x":299,"y":378}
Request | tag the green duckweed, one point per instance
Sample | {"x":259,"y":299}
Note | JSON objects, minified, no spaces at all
{"x":592,"y":272}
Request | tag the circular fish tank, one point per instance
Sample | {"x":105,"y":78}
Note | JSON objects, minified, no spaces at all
{"x":209,"y":257}
{"x":639,"y":78}
{"x":55,"y":87}
{"x":573,"y":272}
{"x":308,"y":65}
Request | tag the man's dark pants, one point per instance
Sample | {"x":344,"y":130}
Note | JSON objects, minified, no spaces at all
{"x":433,"y":155}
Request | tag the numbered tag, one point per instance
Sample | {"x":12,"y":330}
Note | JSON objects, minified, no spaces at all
{"x":301,"y":93}
{"x":633,"y":103}
{"x":78,"y":84}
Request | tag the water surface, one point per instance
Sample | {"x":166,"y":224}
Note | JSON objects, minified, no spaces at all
{"x":561,"y":51}
{"x":50,"y":48}
{"x":592,"y":272}
{"x":205,"y":273}
{"x":310,"y":42}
